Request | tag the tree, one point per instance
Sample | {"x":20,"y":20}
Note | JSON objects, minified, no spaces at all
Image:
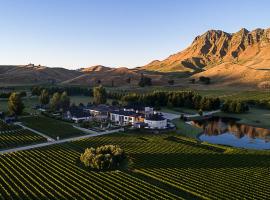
{"x":15,"y":104}
{"x":64,"y":101}
{"x":145,"y":81}
{"x":171,"y":82}
{"x":55,"y":101}
{"x":128,"y":80}
{"x":44,"y":97}
{"x":100,"y":95}
{"x":205,"y":80}
{"x":103,"y":157}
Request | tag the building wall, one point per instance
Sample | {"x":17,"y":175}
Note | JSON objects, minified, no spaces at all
{"x":156,"y":124}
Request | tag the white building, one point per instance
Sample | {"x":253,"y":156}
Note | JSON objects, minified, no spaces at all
{"x":123,"y":117}
{"x":155,"y":121}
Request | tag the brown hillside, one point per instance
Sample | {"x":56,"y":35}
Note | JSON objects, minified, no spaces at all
{"x":31,"y":74}
{"x":116,"y":77}
{"x":241,"y":57}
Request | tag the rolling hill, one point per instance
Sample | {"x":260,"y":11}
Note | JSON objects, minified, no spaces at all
{"x":32,"y":74}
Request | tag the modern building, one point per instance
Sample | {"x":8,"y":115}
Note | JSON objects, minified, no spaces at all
{"x":148,"y":119}
{"x":155,"y":121}
{"x":77,"y":114}
{"x":123,"y":117}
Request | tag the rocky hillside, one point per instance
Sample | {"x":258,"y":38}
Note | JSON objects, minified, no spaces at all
{"x":216,"y":46}
{"x":241,"y":57}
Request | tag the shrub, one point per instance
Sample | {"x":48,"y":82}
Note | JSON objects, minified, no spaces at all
{"x":103,"y":157}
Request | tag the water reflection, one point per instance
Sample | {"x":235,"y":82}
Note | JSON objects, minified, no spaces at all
{"x":227,"y":131}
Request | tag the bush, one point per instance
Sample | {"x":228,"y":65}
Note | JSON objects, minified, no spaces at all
{"x":205,"y":80}
{"x":103,"y":157}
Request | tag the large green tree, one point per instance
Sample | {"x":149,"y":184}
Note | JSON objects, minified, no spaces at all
{"x":55,"y":101}
{"x":100,"y":95}
{"x":64,"y":101}
{"x":15,"y":104}
{"x":44,"y":97}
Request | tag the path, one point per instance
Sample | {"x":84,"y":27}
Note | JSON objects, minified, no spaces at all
{"x":58,"y":141}
{"x":49,"y":139}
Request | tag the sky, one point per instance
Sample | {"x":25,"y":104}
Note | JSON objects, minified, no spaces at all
{"x":115,"y":33}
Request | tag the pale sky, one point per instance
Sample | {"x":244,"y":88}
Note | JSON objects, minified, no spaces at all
{"x":116,"y":33}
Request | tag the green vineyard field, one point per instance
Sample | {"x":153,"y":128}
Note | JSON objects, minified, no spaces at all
{"x":161,"y":167}
{"x":12,"y":136}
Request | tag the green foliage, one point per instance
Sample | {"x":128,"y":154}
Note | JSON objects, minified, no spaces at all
{"x":187,"y":99}
{"x":55,"y":101}
{"x":171,"y":82}
{"x":234,"y":106}
{"x":145,"y":81}
{"x":100,"y":95}
{"x":103,"y":157}
{"x":64,"y":101}
{"x":205,"y":80}
{"x":44,"y":97}
{"x":60,"y":101}
{"x":15,"y":104}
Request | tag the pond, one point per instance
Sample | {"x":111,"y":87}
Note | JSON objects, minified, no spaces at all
{"x":227,"y":131}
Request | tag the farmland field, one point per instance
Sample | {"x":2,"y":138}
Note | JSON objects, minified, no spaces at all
{"x":15,"y":136}
{"x":51,"y":127}
{"x":161,"y":167}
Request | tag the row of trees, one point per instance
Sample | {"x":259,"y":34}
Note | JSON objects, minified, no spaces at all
{"x":187,"y":99}
{"x":72,"y":90}
{"x":61,"y":101}
{"x":234,"y":106}
{"x":58,"y":101}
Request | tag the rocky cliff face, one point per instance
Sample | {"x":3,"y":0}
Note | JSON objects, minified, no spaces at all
{"x":215,"y":47}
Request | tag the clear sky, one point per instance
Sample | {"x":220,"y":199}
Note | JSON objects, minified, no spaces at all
{"x":117,"y":33}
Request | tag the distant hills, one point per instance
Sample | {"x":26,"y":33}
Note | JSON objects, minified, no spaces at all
{"x":229,"y":59}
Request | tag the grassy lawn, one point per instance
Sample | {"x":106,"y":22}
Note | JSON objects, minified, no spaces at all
{"x":28,"y":103}
{"x":51,"y":127}
{"x":179,"y":110}
{"x":186,"y":129}
{"x":255,"y":117}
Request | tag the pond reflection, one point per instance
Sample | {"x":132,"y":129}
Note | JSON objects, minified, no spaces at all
{"x":228,"y":132}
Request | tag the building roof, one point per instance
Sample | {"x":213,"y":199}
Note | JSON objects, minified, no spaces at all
{"x":155,"y":117}
{"x":78,"y":112}
{"x":101,"y":108}
{"x":127,"y":113}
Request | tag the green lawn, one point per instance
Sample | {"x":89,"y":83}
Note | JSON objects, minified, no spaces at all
{"x":161,"y":167}
{"x":28,"y":103}
{"x":255,"y":117}
{"x":51,"y":127}
{"x":186,"y":129}
{"x":179,"y":110}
